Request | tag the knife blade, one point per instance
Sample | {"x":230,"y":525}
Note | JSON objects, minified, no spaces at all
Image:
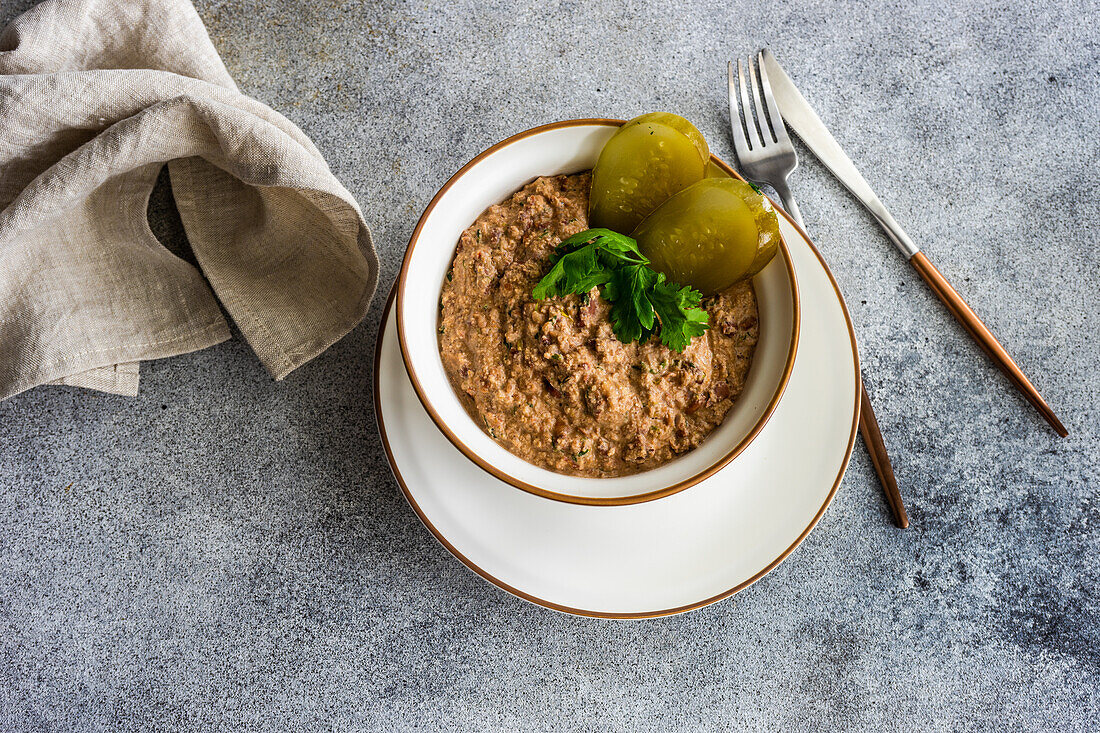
{"x":800,"y":117}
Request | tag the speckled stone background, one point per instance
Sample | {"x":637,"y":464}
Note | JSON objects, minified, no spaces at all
{"x":228,"y":552}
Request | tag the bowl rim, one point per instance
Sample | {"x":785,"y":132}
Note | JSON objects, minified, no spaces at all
{"x":402,"y":280}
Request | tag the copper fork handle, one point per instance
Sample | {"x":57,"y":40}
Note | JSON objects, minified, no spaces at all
{"x":872,"y":438}
{"x":984,"y":338}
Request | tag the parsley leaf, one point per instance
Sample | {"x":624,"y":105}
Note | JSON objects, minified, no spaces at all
{"x":586,"y":260}
{"x":678,"y":308}
{"x":612,"y":246}
{"x":642,"y":300}
{"x":754,"y":187}
{"x":632,"y":314}
{"x":575,"y":272}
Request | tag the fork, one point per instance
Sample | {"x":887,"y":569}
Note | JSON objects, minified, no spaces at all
{"x":767,"y":156}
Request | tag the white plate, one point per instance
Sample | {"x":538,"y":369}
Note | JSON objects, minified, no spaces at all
{"x":661,"y":557}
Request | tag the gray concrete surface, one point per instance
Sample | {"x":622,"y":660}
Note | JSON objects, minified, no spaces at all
{"x":227,"y":552}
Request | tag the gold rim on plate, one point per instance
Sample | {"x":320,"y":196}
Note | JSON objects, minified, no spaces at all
{"x":399,"y":288}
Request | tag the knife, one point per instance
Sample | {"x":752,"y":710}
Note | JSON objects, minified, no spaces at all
{"x":800,"y":117}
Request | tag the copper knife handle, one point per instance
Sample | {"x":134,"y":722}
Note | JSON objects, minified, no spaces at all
{"x":880,"y":459}
{"x":985,"y":339}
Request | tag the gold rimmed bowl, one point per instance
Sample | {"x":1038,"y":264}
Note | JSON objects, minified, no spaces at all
{"x":494,"y":175}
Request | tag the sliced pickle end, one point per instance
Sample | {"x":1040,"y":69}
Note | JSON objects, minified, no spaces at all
{"x":681,"y":125}
{"x":767,"y":223}
{"x":639,"y":168}
{"x":715,"y":171}
{"x":711,"y":235}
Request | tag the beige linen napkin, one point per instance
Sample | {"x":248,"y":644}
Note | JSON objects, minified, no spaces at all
{"x":95,"y":96}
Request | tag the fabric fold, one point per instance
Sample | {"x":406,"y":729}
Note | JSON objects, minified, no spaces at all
{"x":95,"y":98}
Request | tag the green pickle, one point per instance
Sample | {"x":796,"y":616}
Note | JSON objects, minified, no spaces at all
{"x":715,"y":171}
{"x":681,"y":125}
{"x":646,"y":161}
{"x":711,"y":235}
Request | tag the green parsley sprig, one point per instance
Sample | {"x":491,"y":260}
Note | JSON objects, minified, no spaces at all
{"x":643,"y":301}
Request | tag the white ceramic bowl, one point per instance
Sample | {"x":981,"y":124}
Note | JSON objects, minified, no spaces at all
{"x":570,"y":147}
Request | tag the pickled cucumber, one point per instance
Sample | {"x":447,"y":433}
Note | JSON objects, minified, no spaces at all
{"x":681,"y":125}
{"x":715,"y":171}
{"x":646,"y":161}
{"x":711,"y":235}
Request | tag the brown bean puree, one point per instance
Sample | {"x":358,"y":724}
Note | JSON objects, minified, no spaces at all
{"x":547,"y":379}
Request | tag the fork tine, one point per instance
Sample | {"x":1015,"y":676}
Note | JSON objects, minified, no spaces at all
{"x":779,"y":128}
{"x":761,"y":118}
{"x":746,"y":108}
{"x":737,"y":120}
